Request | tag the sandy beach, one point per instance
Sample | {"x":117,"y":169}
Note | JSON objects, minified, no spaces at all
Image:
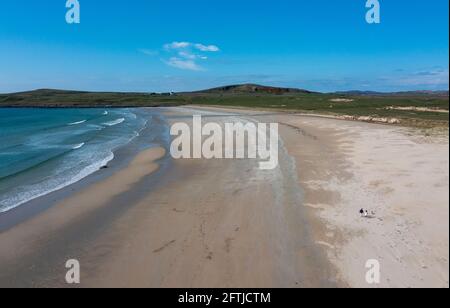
{"x":400,"y":176}
{"x":226,"y":223}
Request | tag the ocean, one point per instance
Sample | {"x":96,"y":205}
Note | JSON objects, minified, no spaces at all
{"x":45,"y":150}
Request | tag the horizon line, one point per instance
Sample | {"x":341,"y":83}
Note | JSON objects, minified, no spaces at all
{"x":227,"y":85}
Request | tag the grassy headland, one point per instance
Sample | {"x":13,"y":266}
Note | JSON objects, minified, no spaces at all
{"x":424,"y":109}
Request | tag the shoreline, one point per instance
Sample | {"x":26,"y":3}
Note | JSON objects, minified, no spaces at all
{"x":295,"y":227}
{"x":24,"y":239}
{"x":334,"y":195}
{"x":398,"y":173}
{"x":122,"y":156}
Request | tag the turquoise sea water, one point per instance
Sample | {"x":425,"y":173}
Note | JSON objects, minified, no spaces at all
{"x":44,"y":150}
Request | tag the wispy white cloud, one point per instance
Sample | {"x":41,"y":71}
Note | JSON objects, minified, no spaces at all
{"x":184,"y":64}
{"x":185,"y":45}
{"x":432,"y":78}
{"x":177,"y":45}
{"x":148,"y":52}
{"x":207,"y":48}
{"x":187,"y":55}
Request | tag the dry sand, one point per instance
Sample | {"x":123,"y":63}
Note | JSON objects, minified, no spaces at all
{"x":225,"y":223}
{"x":398,"y":173}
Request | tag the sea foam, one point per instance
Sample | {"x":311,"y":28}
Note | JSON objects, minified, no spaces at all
{"x":115,"y":122}
{"x":77,"y":123}
{"x":78,"y":146}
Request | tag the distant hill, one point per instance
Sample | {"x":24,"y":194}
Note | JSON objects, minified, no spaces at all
{"x":260,"y":89}
{"x":46,"y":92}
{"x":405,"y":105}
{"x":404,"y":93}
{"x":253,"y":89}
{"x":61,"y":98}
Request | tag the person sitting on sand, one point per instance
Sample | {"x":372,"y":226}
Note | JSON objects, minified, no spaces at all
{"x":364,"y":213}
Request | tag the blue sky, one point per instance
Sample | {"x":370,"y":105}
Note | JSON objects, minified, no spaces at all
{"x":141,"y":45}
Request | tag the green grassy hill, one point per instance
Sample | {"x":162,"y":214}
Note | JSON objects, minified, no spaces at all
{"x":413,"y":108}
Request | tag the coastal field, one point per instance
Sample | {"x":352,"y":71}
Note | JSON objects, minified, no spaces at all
{"x":418,"y":109}
{"x":151,"y":221}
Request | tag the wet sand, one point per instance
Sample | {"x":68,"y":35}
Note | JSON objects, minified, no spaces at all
{"x":32,"y":252}
{"x":400,"y":174}
{"x":226,"y":223}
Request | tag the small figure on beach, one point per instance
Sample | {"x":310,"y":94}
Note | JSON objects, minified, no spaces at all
{"x":362,"y":212}
{"x":365,"y":213}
